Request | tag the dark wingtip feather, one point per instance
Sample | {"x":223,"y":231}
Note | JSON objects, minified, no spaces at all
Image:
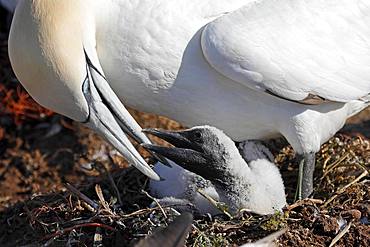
{"x":174,"y":235}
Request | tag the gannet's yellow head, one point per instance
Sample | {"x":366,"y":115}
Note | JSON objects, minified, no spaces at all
{"x":52,"y":52}
{"x":47,"y":55}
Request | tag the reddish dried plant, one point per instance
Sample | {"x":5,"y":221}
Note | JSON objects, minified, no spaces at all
{"x":19,"y":104}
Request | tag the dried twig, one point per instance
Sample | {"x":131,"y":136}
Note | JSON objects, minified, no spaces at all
{"x":64,"y":231}
{"x":303,"y":202}
{"x":103,"y":202}
{"x":340,"y":191}
{"x":82,"y":196}
{"x":334,"y":165}
{"x":113,"y":184}
{"x":156,"y":202}
{"x":340,"y":234}
{"x":140,"y":212}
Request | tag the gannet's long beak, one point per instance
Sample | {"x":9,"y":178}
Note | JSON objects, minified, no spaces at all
{"x":123,"y":117}
{"x":110,"y":119}
{"x":187,"y":154}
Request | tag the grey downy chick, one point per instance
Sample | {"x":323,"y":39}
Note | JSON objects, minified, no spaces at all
{"x":179,"y":189}
{"x":223,"y":173}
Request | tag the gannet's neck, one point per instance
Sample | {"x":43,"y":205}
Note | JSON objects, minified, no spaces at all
{"x":248,"y":185}
{"x":236,"y":179}
{"x":49,"y":37}
{"x":257,"y":186}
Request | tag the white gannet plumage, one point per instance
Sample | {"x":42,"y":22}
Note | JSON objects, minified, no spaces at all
{"x":255,"y":69}
{"x":221,"y":171}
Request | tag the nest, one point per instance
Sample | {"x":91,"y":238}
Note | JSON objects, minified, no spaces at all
{"x":114,"y":208}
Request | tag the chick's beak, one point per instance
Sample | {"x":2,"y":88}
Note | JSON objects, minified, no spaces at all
{"x":184,"y":153}
{"x":176,"y":138}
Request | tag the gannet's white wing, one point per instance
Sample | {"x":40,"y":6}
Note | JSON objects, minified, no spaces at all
{"x":301,"y":50}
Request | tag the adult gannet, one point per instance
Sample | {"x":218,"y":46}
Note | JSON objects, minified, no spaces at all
{"x":255,"y":69}
{"x":223,"y":174}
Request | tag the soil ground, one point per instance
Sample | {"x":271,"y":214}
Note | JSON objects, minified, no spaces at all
{"x":48,"y":161}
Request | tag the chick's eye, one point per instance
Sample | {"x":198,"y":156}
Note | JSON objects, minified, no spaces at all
{"x":197,"y":137}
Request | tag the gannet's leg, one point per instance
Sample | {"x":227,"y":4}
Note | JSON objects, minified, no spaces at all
{"x":305,"y":175}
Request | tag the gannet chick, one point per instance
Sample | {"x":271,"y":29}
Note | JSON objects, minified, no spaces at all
{"x":179,"y":188}
{"x":208,"y":152}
